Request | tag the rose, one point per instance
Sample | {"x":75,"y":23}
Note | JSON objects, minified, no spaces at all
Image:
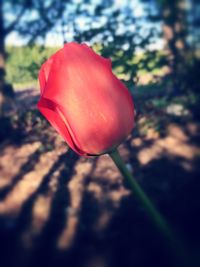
{"x":93,"y":111}
{"x":84,"y":101}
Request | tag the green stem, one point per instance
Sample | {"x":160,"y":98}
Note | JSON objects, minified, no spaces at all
{"x":157,"y":219}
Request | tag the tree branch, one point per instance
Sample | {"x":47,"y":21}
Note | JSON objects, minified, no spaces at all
{"x":12,"y":25}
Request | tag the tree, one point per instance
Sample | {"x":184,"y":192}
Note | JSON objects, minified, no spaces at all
{"x":45,"y":16}
{"x":180,"y":34}
{"x":115,"y":30}
{"x":173,"y":14}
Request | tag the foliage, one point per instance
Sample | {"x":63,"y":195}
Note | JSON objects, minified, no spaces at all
{"x":18,"y":16}
{"x":115,"y":32}
{"x":24,"y":62}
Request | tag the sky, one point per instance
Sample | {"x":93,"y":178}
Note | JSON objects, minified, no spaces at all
{"x":55,"y":38}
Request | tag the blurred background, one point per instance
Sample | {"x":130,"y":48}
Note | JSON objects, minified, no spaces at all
{"x":58,"y":209}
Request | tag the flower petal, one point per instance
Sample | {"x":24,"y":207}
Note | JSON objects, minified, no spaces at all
{"x":53,"y":113}
{"x":44,"y":73}
{"x":94,"y":110}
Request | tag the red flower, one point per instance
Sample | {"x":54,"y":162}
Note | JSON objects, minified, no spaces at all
{"x":84,"y":101}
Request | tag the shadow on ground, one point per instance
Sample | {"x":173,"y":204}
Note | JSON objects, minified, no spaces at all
{"x":57,"y":209}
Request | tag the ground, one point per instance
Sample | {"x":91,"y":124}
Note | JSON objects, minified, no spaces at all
{"x":59,"y":209}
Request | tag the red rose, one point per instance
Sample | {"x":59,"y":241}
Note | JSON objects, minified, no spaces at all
{"x":84,"y":101}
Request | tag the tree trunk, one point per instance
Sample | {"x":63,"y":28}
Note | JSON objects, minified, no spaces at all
{"x":2,"y":59}
{"x":175,"y":30}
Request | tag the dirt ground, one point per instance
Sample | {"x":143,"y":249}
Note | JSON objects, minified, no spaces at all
{"x":57,"y":209}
